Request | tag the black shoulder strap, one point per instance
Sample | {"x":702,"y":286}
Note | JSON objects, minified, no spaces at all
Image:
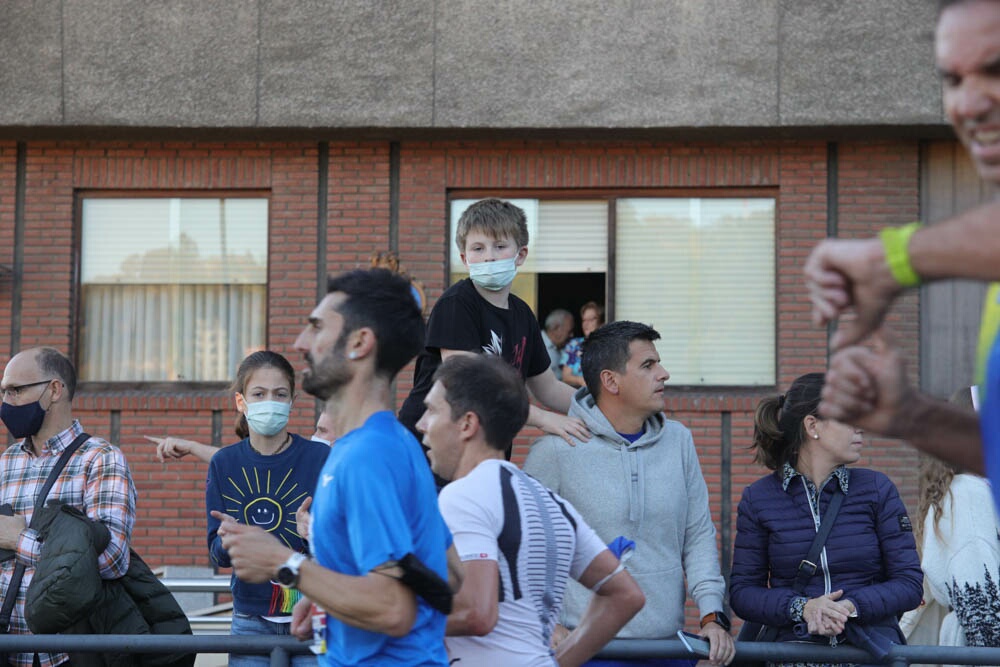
{"x":57,"y":470}
{"x":808,"y":566}
{"x":10,"y":597}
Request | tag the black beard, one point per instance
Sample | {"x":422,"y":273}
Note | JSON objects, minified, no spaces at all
{"x":330,"y":375}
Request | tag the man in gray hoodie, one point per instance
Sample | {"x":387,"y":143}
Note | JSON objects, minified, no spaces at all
{"x":639,"y":477}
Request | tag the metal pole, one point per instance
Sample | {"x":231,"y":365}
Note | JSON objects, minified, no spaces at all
{"x":279,"y":657}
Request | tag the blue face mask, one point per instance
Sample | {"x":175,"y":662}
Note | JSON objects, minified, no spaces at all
{"x":268,"y":417}
{"x":494,"y":276}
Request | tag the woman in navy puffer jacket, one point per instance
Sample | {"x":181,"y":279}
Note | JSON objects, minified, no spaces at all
{"x":869,"y":571}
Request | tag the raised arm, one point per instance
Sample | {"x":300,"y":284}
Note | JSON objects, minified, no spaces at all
{"x":168,"y":449}
{"x":868,"y":387}
{"x":853,"y":275}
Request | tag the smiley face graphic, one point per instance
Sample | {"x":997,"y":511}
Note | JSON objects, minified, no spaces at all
{"x":258,"y":501}
{"x":264,"y":513}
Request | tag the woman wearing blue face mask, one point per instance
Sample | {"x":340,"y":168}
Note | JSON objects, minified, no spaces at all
{"x":261,"y":481}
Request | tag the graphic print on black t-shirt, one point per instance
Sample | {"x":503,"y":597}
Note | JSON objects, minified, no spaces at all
{"x":516,"y":359}
{"x":463,"y":320}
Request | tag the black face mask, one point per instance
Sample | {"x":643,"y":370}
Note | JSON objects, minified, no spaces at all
{"x":22,"y":420}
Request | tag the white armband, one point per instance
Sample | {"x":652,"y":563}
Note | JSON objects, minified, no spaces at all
{"x":596,"y":587}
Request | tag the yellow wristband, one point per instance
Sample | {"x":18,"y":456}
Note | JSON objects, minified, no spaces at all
{"x":895,"y":243}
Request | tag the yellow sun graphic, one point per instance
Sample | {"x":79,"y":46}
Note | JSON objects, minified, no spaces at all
{"x":260,"y":505}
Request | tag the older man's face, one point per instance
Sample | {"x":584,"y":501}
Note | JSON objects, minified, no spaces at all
{"x":562,"y":332}
{"x":967,"y":46}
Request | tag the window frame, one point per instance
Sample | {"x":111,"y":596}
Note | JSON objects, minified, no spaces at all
{"x":187,"y":387}
{"x":612,"y":195}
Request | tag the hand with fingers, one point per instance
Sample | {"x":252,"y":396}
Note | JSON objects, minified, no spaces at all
{"x":565,"y":427}
{"x":722,"y":649}
{"x":255,"y":553}
{"x":301,"y":627}
{"x":168,"y":448}
{"x":850,"y":276}
{"x":303,"y":520}
{"x":868,"y":387}
{"x":826,"y":615}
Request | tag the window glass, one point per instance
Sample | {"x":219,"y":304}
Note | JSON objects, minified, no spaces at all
{"x":172,"y":289}
{"x":701,"y":271}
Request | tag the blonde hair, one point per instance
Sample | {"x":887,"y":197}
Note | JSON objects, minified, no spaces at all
{"x":496,"y":218}
{"x":935,"y":480}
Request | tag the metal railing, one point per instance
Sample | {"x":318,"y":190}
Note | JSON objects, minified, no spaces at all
{"x":282,"y":648}
{"x":213,"y":584}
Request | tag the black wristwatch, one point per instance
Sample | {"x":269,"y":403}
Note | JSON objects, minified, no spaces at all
{"x":288,"y":574}
{"x":719,"y":618}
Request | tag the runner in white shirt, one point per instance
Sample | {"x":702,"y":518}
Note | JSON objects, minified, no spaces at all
{"x":519,"y":542}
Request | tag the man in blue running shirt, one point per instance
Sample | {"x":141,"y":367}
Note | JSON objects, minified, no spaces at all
{"x":375,"y":501}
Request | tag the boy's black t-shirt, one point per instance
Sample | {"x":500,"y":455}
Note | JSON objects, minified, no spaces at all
{"x":463,"y":320}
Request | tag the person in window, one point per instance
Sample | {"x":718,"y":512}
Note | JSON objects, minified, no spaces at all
{"x":261,"y":481}
{"x":480,"y":315}
{"x":956,"y":531}
{"x":868,"y":571}
{"x":591,"y":317}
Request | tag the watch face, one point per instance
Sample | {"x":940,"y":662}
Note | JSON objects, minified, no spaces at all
{"x":288,"y":574}
{"x":723,"y":620}
{"x":285,"y":576}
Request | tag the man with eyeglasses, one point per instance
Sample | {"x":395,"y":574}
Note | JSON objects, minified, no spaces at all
{"x":37,"y":390}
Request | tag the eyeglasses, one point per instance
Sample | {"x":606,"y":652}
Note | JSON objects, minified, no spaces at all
{"x":13,"y":392}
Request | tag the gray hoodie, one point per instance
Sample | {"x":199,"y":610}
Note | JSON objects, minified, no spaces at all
{"x":652,"y":492}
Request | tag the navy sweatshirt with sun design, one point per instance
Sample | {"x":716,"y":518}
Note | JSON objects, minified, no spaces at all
{"x":262,"y":491}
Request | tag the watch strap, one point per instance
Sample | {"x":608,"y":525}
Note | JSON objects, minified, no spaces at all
{"x":712,"y":617}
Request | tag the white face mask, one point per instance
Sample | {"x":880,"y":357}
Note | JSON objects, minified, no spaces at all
{"x":494,"y":276}
{"x":316,"y":438}
{"x":268,"y":417}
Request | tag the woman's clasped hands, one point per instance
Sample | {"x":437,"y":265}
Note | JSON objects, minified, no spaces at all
{"x":827,"y":615}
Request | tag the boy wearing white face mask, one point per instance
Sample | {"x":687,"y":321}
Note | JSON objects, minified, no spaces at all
{"x":261,"y":481}
{"x":480,"y":315}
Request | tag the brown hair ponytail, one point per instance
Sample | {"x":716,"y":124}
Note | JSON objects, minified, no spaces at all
{"x":778,"y":431}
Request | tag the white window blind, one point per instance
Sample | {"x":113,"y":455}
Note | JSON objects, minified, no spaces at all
{"x":173,"y":289}
{"x":564,"y":236}
{"x":572,"y":237}
{"x":701,"y":271}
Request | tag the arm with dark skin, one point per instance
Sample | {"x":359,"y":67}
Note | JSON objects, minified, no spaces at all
{"x":868,"y":387}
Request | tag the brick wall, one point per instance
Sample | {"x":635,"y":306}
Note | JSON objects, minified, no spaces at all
{"x":878,"y":184}
{"x":8,"y":175}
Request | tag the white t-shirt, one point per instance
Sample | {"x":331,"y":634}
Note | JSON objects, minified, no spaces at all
{"x":538,"y":540}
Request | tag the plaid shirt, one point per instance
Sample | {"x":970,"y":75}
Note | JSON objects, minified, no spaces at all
{"x":96,"y":479}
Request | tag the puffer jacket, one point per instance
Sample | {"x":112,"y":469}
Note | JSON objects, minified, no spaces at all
{"x":870,"y":553}
{"x":68,"y":596}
